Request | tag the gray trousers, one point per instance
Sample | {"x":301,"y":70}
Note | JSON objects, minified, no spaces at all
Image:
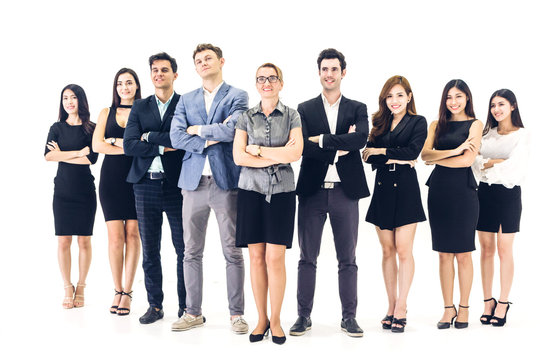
{"x":312,"y":213}
{"x":195,"y":213}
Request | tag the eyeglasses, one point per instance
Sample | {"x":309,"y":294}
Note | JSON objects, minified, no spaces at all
{"x":271,"y":79}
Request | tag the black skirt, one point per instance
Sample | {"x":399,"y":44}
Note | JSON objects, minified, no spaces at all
{"x":396,"y":198}
{"x":115,"y":193}
{"x":453,"y":209}
{"x":261,"y":222}
{"x":74,"y":213}
{"x":500,"y":208}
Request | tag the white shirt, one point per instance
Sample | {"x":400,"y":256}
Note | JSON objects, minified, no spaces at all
{"x":513,"y":147}
{"x":208,"y":100}
{"x":332,"y":115}
{"x":156,"y":165}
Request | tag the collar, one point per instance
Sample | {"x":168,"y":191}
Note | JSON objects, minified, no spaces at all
{"x":165,"y":103}
{"x":326,"y":103}
{"x":279,"y":107}
{"x":215,"y":90}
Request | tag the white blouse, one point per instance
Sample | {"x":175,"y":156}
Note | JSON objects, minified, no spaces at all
{"x":513,"y":147}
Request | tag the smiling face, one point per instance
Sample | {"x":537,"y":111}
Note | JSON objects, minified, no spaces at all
{"x":207,"y":64}
{"x":126,"y":86}
{"x":501,"y":109}
{"x":162,"y":74}
{"x":456,"y":101}
{"x":70,"y":102}
{"x":268,"y":89}
{"x":397,"y":99}
{"x":331,"y":74}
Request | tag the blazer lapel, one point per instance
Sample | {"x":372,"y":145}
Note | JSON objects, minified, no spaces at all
{"x":152,"y":103}
{"x":199,"y":104}
{"x":402,"y":125}
{"x":223,"y":90}
{"x":319,"y":107}
{"x":341,"y":126}
{"x":170,"y":109}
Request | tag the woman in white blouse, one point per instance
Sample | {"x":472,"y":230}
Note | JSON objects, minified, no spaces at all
{"x":500,"y":167}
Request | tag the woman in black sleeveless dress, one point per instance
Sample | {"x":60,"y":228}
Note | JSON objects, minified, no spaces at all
{"x":452,"y":145}
{"x":74,"y":201}
{"x":115,"y":194}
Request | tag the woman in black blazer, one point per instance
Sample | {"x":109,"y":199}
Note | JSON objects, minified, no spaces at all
{"x":395,"y":141}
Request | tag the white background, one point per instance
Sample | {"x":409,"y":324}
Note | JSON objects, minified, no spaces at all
{"x":48,"y":44}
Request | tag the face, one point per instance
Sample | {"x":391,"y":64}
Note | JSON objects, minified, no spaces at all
{"x":501,"y":108}
{"x":126,"y":87}
{"x":456,"y":101}
{"x":207,"y":63}
{"x":268,"y":89}
{"x":162,"y":75}
{"x":70,"y":102}
{"x":397,"y":99}
{"x":331,"y":74}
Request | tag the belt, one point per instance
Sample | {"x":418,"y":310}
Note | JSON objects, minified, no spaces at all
{"x":155,"y":175}
{"x":329,"y":185}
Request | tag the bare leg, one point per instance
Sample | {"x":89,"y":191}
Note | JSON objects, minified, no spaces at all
{"x":487,"y":246}
{"x":505,"y":243}
{"x":85,"y":257}
{"x":465,"y":275}
{"x":275,"y":262}
{"x":64,"y":261}
{"x":259,"y":283}
{"x":404,"y":247}
{"x":389,"y":267}
{"x":446,"y":274}
{"x":132,"y":253}
{"x":116,"y":232}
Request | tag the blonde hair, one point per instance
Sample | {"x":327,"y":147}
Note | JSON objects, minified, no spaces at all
{"x":275,"y":67}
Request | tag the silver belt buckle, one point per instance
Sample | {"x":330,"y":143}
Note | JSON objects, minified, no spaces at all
{"x":392,"y":167}
{"x":328,"y":185}
{"x":156,"y":175}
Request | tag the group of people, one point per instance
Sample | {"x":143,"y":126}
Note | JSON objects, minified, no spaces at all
{"x":205,"y":150}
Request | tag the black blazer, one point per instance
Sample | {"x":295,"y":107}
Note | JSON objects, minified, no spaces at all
{"x":315,"y":160}
{"x":403,"y":143}
{"x":145,"y":117}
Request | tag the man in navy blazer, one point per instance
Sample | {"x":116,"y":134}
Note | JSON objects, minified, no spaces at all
{"x":203,"y":126}
{"x":330,"y":183}
{"x":154,"y":174}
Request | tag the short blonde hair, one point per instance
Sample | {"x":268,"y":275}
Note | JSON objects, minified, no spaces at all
{"x":275,"y":67}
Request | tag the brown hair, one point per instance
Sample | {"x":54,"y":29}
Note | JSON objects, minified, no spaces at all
{"x":275,"y":67}
{"x":116,"y":98}
{"x":203,"y":47}
{"x":382,"y":119}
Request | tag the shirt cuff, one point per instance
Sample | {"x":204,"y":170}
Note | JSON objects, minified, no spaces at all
{"x":336,"y":158}
{"x":199,"y":130}
{"x":161,"y":149}
{"x":205,"y":144}
{"x":321,"y":141}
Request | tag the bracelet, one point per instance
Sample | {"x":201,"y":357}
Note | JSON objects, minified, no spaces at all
{"x":259,"y":151}
{"x":113,"y":141}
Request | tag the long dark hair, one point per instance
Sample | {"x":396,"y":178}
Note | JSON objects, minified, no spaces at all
{"x":444,"y":114}
{"x":115,"y":97}
{"x":383,"y":117}
{"x":83,"y":111}
{"x":515,"y":117}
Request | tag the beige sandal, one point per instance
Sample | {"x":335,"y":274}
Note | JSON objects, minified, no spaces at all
{"x":78,"y":300}
{"x":68,"y":301}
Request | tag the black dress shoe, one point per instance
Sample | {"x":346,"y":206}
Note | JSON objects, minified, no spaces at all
{"x":258,"y":337}
{"x":300,"y":327}
{"x":280,"y":340}
{"x":351,"y":327}
{"x":152,"y":315}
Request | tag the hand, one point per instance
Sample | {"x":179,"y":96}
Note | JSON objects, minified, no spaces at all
{"x":193,"y":130}
{"x":342,"y":152}
{"x":83,"y":152}
{"x":372,"y":151}
{"x":119,"y":142}
{"x":352,"y":129}
{"x":314,"y":139}
{"x":227,"y":119}
{"x":212,"y":142}
{"x":144,"y":136}
{"x":167,"y":149}
{"x":253,"y":149}
{"x":411,"y":163}
{"x":466,"y":145}
{"x":429,"y":162}
{"x":53,"y":146}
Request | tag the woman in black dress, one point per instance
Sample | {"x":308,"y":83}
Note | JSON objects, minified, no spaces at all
{"x":395,"y":141}
{"x":115,"y":194}
{"x":452,"y":145}
{"x":74,"y":201}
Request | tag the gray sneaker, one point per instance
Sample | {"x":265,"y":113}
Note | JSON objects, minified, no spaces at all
{"x":187,"y":322}
{"x":239,"y":325}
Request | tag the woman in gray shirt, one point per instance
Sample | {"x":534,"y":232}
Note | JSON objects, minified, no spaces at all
{"x":268,"y":138}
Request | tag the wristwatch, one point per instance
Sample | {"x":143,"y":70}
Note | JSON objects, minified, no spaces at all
{"x":259,"y":151}
{"x":113,"y":141}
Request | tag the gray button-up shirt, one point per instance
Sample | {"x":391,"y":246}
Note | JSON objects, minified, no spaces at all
{"x":271,"y":131}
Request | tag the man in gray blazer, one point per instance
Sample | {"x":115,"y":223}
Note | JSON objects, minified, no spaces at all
{"x":203,"y":126}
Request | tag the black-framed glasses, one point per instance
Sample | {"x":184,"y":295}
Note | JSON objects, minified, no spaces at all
{"x":271,"y":79}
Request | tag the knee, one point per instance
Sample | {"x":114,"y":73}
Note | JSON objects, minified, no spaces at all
{"x":446,"y":258}
{"x":64,"y":243}
{"x":404,"y":253}
{"x":275,"y":261}
{"x":464,"y":259}
{"x":388,"y":252}
{"x":257,"y":259}
{"x":488,"y":251}
{"x":84,"y":243}
{"x":505,"y":253}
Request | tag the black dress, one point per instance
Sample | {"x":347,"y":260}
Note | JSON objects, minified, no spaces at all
{"x":115,"y":193}
{"x":453,"y":198}
{"x":396,"y":197}
{"x":74,"y":200}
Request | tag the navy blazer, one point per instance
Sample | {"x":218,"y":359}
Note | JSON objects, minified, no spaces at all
{"x":191,"y":110}
{"x":144,"y":117}
{"x":315,"y":160}
{"x":405,"y":142}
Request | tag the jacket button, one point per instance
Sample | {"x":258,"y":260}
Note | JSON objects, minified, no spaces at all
{"x":395,"y":185}
{"x":379,"y":183}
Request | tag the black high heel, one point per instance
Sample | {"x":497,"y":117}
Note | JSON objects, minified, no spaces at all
{"x":445,"y":324}
{"x":401,"y":322}
{"x":387,"y":318}
{"x":488,"y":317}
{"x":461,"y":324}
{"x":500,"y":321}
{"x":280,"y":340}
{"x":258,"y":337}
{"x":125,"y":311}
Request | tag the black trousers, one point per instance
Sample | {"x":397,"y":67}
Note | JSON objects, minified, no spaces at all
{"x":152,"y":198}
{"x":312,"y":213}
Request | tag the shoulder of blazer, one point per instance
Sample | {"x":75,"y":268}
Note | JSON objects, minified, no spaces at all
{"x":310,"y":102}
